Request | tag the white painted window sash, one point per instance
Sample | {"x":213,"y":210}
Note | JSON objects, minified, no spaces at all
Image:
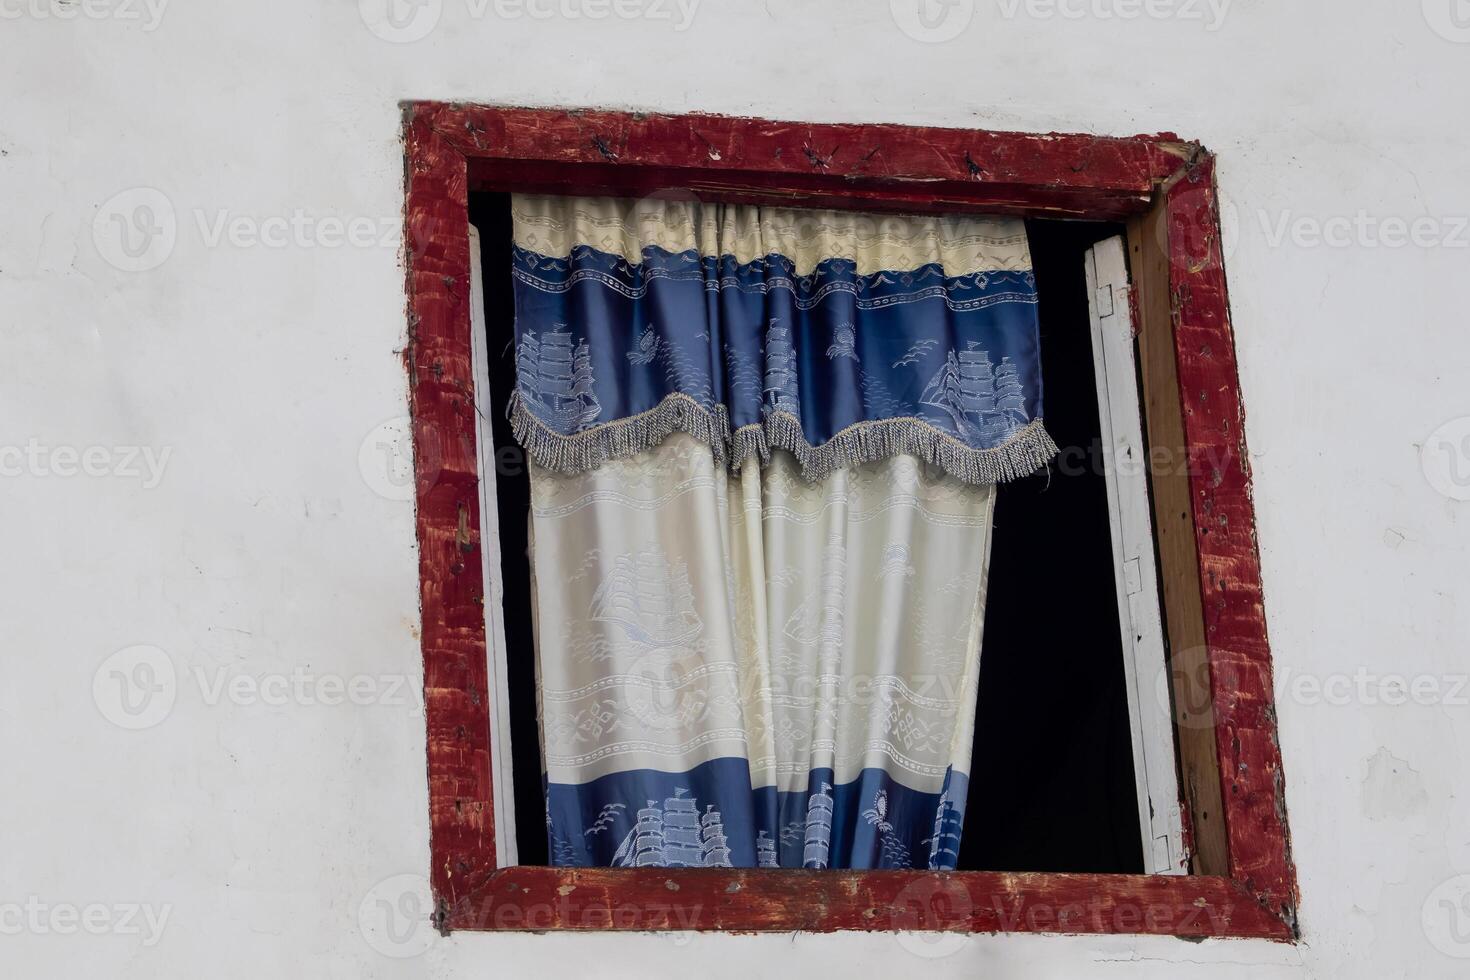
{"x":1136,"y":578}
{"x":502,"y":784}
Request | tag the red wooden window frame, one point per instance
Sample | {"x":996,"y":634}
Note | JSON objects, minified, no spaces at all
{"x":452,"y":148}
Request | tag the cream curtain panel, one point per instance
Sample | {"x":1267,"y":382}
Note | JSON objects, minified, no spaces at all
{"x":797,"y":660}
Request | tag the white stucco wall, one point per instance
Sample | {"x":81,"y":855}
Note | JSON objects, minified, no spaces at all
{"x":258,"y":548}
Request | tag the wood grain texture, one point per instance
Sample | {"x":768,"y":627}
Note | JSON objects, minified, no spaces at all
{"x":1174,"y":539}
{"x":826,"y":901}
{"x":449,"y":146}
{"x":1225,"y":536}
{"x":816,"y":190}
{"x":451,"y":587}
{"x":764,"y":161}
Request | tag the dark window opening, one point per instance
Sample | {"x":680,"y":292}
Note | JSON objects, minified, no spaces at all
{"x":1051,"y":779}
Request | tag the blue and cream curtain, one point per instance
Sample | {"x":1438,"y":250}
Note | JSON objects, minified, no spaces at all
{"x":764,"y":445}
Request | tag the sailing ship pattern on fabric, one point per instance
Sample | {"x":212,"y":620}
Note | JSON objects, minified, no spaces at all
{"x":944,"y":846}
{"x":650,"y":598}
{"x":818,"y":620}
{"x":780,"y":389}
{"x":818,"y":843}
{"x":765,"y":851}
{"x":674,"y":834}
{"x":671,"y":314}
{"x":554,"y":377}
{"x":943,"y":639}
{"x":683,"y":827}
{"x":986,"y":401}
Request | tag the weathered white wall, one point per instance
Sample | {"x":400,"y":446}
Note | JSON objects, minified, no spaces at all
{"x":257,"y":819}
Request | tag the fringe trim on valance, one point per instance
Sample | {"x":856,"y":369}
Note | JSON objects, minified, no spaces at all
{"x":862,"y":442}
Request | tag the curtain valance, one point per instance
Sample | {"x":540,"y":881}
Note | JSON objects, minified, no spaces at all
{"x":840,"y":337}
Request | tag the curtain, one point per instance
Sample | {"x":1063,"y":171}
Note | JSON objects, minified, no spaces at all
{"x":764,"y":445}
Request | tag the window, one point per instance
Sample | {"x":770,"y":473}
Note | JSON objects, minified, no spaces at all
{"x":1242,"y":882}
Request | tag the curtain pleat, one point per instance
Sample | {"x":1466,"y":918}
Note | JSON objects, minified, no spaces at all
{"x":754,"y":669}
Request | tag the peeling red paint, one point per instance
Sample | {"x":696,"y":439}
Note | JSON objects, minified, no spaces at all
{"x":542,"y":899}
{"x":451,"y":589}
{"x":1230,"y":581}
{"x":897,"y":167}
{"x":452,"y":148}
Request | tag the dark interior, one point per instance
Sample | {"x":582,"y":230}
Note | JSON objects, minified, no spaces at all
{"x":1051,"y":784}
{"x":1051,"y":780}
